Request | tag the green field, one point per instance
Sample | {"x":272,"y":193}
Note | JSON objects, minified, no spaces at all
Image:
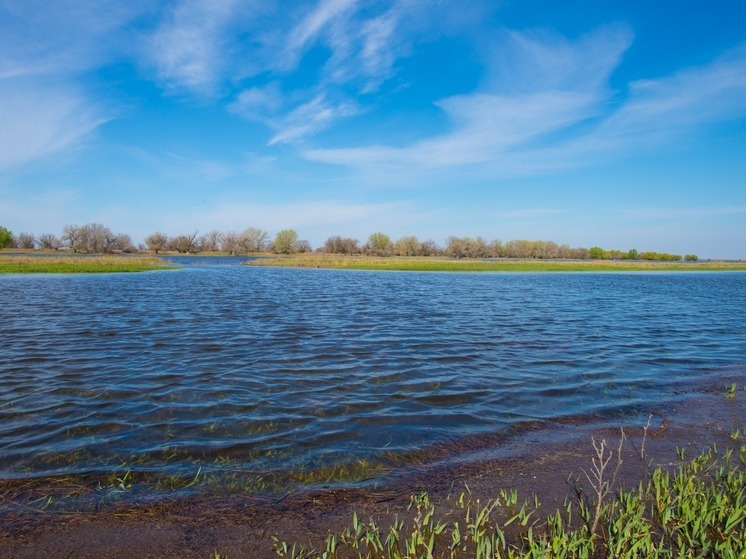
{"x":425,"y":264}
{"x":79,"y":264}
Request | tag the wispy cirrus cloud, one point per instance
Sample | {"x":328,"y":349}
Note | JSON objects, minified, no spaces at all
{"x":557,"y":111}
{"x":189,"y":47}
{"x":47,"y":48}
{"x":309,"y":118}
{"x":488,"y":126}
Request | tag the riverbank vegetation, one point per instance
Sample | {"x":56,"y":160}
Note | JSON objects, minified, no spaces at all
{"x":79,"y":264}
{"x":95,"y":238}
{"x":697,"y":510}
{"x":440,"y":264}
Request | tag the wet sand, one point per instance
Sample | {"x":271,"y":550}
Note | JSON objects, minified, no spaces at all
{"x":538,"y":461}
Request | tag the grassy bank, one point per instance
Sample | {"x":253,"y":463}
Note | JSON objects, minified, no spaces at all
{"x":425,"y":264}
{"x":698,"y":510}
{"x":79,"y":264}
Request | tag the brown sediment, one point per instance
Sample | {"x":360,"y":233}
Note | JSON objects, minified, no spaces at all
{"x":543,"y":461}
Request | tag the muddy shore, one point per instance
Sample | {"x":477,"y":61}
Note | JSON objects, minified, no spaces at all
{"x":539,"y":461}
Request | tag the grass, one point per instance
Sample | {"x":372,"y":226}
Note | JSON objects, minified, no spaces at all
{"x":428,"y":264}
{"x":698,"y":510}
{"x":79,"y":264}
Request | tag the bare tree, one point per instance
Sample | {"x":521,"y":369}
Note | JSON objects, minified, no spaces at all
{"x":96,"y":238}
{"x":26,"y":240}
{"x":341,"y":245}
{"x":72,"y":237}
{"x":231,"y":242}
{"x":303,"y":246}
{"x":407,"y":246}
{"x":122,"y":243}
{"x":210,"y":241}
{"x":49,"y":241}
{"x":253,"y":239}
{"x":156,"y":242}
{"x":429,"y":248}
{"x":185,"y":244}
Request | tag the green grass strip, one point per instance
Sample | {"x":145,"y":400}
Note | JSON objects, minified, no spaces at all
{"x":79,"y":264}
{"x":425,"y":264}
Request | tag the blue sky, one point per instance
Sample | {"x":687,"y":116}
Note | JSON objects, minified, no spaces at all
{"x":618,"y":124}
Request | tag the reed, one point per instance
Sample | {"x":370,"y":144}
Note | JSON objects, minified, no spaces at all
{"x":80,"y":264}
{"x":427,"y":264}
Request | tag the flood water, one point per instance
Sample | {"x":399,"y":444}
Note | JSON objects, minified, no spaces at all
{"x":222,"y":367}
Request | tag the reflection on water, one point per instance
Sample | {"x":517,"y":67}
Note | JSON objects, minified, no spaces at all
{"x":224,"y":366}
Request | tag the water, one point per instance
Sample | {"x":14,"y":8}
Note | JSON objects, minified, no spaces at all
{"x":224,"y":368}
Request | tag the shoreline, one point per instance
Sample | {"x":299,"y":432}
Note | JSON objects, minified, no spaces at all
{"x":239,"y":526}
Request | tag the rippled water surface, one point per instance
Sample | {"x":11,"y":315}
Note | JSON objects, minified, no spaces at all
{"x":225,"y":366}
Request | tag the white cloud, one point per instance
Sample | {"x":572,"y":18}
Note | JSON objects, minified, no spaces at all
{"x":189,"y":48}
{"x":312,"y":25}
{"x":38,"y":120}
{"x":309,"y":118}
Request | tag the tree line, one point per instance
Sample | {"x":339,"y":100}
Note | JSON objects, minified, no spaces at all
{"x":97,"y":238}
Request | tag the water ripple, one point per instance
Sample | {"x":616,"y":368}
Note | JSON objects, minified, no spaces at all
{"x":279,"y":369}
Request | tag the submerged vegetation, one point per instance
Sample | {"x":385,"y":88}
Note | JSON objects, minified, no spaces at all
{"x":424,"y":264}
{"x":698,"y":510}
{"x":82,"y":264}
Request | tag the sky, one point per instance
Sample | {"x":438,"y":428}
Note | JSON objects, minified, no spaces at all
{"x":590,"y":123}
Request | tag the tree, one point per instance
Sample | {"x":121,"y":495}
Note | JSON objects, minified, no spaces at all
{"x":691,"y":257}
{"x":286,"y":241}
{"x":6,"y":237}
{"x":231,"y":242}
{"x":210,"y":241}
{"x":407,"y":246}
{"x":341,"y":245}
{"x":123,"y":243}
{"x":49,"y":241}
{"x":303,"y":246}
{"x":380,"y":244}
{"x":185,"y":244}
{"x":253,"y":239}
{"x":26,"y":241}
{"x":72,"y":237}
{"x":156,"y":242}
{"x":633,"y":254}
{"x":596,"y":253}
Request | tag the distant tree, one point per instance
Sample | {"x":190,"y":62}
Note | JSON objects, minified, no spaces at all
{"x":253,"y":239}
{"x":495,"y":248}
{"x":210,"y":242}
{"x":303,"y":246}
{"x":380,"y":244}
{"x":341,"y":245}
{"x":122,"y":243}
{"x":691,"y":257}
{"x":157,"y":242}
{"x":96,"y":238}
{"x":286,"y":241}
{"x":6,"y":237}
{"x":26,"y":241}
{"x":407,"y":246}
{"x":231,"y":242}
{"x":72,"y":237}
{"x":185,"y":244}
{"x":633,"y":254}
{"x":49,"y":241}
{"x":455,"y":247}
{"x":596,"y":253}
{"x":429,"y":248}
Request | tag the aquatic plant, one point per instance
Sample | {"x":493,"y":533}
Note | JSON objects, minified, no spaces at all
{"x":698,"y":510}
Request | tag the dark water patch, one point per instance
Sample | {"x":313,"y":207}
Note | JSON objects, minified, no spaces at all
{"x":270,"y":372}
